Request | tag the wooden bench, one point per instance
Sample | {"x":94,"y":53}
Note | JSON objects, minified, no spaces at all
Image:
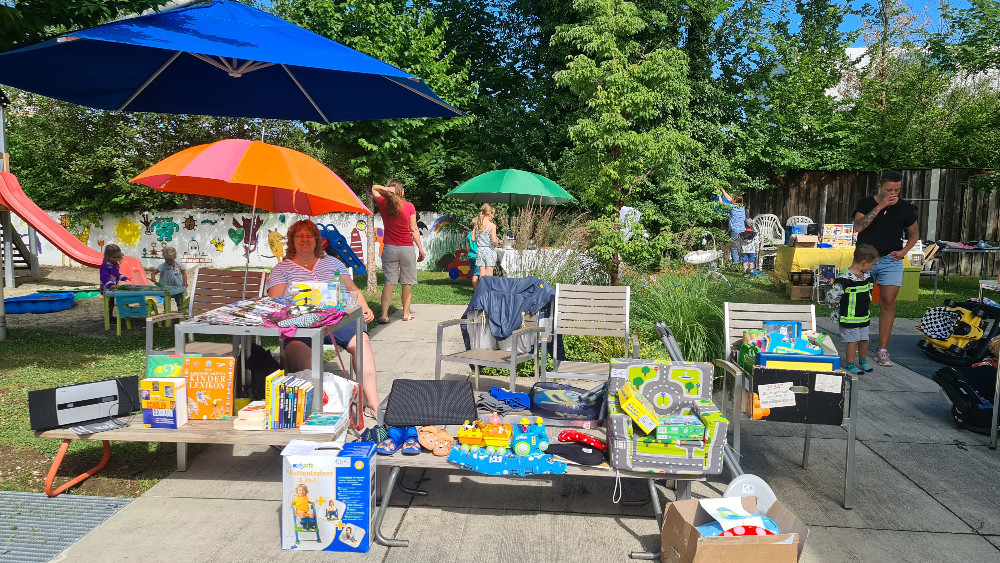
{"x":194,"y":432}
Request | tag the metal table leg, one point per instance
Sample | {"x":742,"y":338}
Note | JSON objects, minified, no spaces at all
{"x":414,"y":491}
{"x":377,"y":531}
{"x":683,"y":493}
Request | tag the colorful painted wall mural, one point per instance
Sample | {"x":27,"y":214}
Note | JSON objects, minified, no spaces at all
{"x":224,"y":240}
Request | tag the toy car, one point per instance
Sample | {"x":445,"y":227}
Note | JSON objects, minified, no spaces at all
{"x":977,"y":325}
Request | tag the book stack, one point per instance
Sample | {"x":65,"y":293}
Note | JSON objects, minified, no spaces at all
{"x":324,"y":423}
{"x":251,"y":417}
{"x":287,"y":400}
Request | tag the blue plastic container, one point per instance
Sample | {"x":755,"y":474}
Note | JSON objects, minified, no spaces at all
{"x":38,"y":303}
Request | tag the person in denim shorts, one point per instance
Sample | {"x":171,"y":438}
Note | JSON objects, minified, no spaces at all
{"x":882,"y":221}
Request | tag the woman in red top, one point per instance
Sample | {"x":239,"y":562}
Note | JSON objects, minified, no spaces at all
{"x":401,"y":233}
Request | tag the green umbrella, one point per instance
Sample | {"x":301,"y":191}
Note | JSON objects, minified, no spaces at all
{"x":515,"y":187}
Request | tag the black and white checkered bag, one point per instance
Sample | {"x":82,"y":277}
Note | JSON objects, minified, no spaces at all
{"x":938,"y":322}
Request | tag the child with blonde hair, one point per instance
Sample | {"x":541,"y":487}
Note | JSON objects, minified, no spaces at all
{"x":170,"y":272}
{"x":484,"y":234}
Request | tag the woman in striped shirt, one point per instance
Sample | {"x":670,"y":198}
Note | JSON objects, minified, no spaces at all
{"x":306,"y":261}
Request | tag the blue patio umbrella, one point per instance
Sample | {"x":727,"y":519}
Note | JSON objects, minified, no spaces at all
{"x":224,"y":59}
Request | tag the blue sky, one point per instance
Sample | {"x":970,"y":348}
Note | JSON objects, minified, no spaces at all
{"x":927,"y":9}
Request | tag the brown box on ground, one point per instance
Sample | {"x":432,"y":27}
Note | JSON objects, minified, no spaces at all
{"x":804,"y":241}
{"x":681,"y":542}
{"x":799,"y":292}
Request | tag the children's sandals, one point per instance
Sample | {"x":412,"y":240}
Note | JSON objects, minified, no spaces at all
{"x":410,"y":445}
{"x":392,"y":441}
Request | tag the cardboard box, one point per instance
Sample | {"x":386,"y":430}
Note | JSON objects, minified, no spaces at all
{"x":804,"y":241}
{"x":339,"y":490}
{"x":679,"y":428}
{"x":680,"y":541}
{"x":799,"y":292}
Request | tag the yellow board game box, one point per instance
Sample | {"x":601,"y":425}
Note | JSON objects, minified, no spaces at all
{"x":209,"y":387}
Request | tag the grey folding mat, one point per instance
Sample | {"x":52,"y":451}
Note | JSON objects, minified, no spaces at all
{"x":34,"y":527}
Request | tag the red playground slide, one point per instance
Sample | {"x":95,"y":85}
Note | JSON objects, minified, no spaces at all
{"x":12,"y":197}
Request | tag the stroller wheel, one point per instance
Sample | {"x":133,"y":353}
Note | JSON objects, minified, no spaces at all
{"x":923,"y":344}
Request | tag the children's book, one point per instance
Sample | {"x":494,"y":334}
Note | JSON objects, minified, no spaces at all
{"x":251,"y":417}
{"x":209,"y":387}
{"x":324,"y":423}
{"x":167,"y":365}
{"x":164,"y":402}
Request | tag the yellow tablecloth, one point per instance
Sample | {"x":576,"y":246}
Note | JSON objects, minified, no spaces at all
{"x":792,"y":259}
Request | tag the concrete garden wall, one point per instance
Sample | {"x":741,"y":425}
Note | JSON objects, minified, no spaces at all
{"x":222,"y":239}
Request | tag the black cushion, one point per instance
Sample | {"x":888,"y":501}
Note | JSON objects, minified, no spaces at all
{"x":418,"y":403}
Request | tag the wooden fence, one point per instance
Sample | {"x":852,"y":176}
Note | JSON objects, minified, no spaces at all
{"x":959,"y":214}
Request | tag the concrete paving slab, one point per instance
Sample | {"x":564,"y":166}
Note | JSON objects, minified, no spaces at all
{"x":452,"y":534}
{"x":816,"y":495}
{"x":155,"y":529}
{"x":960,"y":478}
{"x":846,"y":545}
{"x":226,"y":472}
{"x":995,"y":540}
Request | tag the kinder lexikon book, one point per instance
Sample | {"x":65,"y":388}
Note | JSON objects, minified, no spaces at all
{"x":209,"y":387}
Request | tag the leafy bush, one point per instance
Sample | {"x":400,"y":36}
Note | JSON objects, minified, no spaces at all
{"x":686,"y":304}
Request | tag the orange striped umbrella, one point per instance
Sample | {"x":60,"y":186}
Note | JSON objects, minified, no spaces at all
{"x":265,"y":176}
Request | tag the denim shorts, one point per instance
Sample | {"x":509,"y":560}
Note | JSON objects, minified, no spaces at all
{"x":888,"y":271}
{"x":854,"y":334}
{"x":342,"y":336}
{"x":473,"y":266}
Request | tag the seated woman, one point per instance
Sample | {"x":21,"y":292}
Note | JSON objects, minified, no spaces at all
{"x":305,"y":261}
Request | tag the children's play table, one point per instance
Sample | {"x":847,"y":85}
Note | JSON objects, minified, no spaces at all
{"x":166,"y":292}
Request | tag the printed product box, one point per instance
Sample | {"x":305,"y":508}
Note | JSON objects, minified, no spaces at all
{"x":681,"y":542}
{"x":804,"y":241}
{"x":680,"y":427}
{"x":164,"y":402}
{"x":638,"y":407}
{"x":328,"y":498}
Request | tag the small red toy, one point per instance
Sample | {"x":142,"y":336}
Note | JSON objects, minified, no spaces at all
{"x":747,"y":531}
{"x":574,"y":436}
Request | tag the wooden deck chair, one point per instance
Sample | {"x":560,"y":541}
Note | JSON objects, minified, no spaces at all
{"x":211,"y":288}
{"x":588,"y":310}
{"x":743,"y":316}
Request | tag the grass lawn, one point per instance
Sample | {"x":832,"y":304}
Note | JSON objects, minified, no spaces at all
{"x":36,"y":359}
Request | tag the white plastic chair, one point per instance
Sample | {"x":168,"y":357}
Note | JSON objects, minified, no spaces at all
{"x":798,"y":220}
{"x":771,"y":235}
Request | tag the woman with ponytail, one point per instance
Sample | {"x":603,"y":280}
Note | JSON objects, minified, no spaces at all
{"x":484,"y":233}
{"x":399,"y":263}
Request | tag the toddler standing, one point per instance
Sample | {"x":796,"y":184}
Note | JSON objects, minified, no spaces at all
{"x":171,"y":273}
{"x":850,"y":297}
{"x":110,"y":274}
{"x":748,"y":242}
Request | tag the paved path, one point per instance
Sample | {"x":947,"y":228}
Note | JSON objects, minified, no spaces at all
{"x":925,"y":491}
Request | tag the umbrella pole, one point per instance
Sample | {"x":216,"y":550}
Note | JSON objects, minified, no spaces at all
{"x":246,"y":268}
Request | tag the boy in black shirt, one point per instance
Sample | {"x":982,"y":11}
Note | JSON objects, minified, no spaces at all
{"x":880,"y":222}
{"x":850,"y":297}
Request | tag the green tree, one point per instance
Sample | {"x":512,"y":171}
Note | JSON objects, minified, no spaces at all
{"x":411,"y":39}
{"x":635,"y":97}
{"x":24,"y":22}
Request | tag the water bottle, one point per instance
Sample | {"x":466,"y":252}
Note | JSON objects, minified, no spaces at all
{"x":339,"y":289}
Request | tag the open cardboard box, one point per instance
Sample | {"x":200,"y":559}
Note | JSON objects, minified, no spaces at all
{"x":681,"y":542}
{"x":804,"y":241}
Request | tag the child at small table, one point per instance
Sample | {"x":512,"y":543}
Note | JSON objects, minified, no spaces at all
{"x":171,"y":273}
{"x":111,"y":275}
{"x":855,"y":284}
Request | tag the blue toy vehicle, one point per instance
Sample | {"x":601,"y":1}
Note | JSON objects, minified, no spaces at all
{"x":530,"y":439}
